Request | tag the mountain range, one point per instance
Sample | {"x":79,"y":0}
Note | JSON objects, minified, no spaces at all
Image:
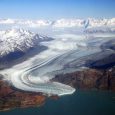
{"x":61,"y":23}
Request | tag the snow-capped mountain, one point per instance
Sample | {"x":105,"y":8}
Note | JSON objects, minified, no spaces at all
{"x":61,"y":23}
{"x":19,"y":40}
{"x":69,"y":23}
{"x":85,"y":23}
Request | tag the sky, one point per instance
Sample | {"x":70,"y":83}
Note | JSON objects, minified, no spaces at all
{"x":56,"y":9}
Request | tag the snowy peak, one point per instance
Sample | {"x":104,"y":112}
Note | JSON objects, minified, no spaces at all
{"x":68,"y":23}
{"x":19,"y":40}
{"x":90,"y":22}
{"x":96,"y":23}
{"x":21,"y":34}
{"x":14,"y":33}
{"x":61,"y":23}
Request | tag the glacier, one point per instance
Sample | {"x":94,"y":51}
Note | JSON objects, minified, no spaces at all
{"x":35,"y":73}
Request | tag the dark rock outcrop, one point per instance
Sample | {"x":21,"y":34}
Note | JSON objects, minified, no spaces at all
{"x":89,"y":79}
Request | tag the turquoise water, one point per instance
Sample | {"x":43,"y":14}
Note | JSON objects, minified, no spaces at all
{"x":79,"y":103}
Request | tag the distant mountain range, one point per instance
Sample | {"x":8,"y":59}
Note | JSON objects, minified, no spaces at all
{"x":61,"y":23}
